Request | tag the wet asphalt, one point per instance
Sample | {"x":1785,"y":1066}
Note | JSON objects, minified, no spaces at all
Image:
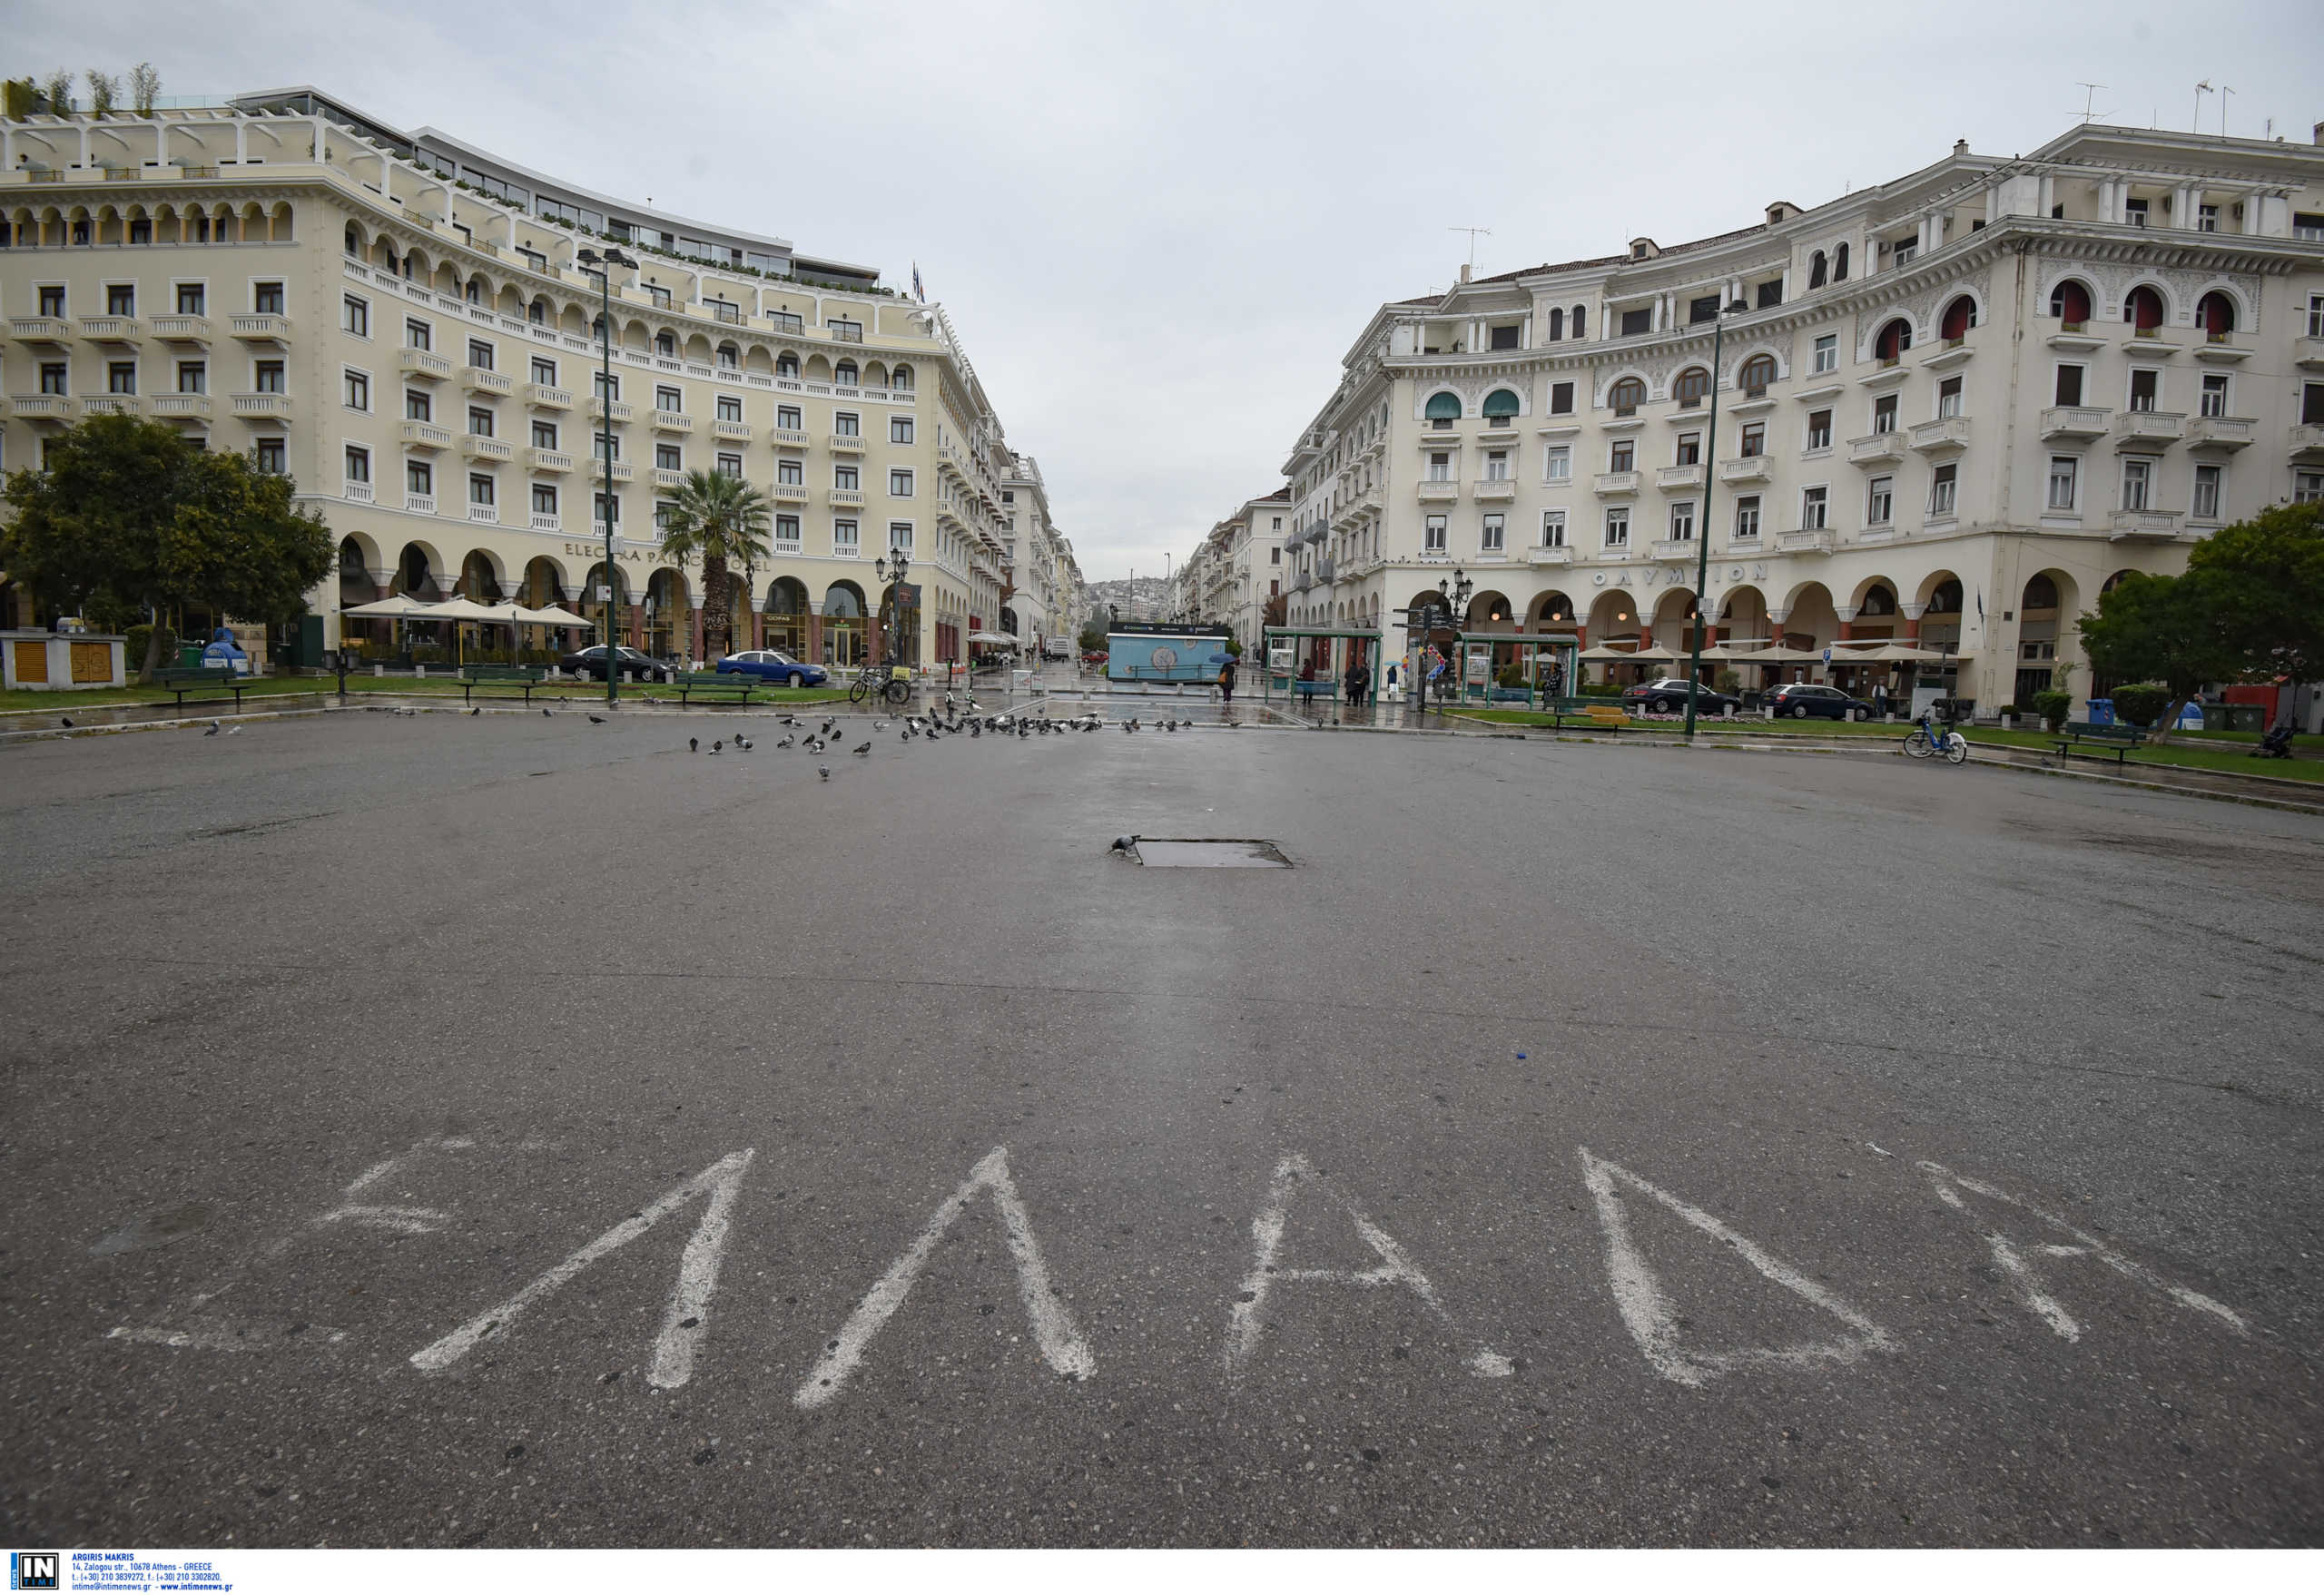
{"x":1580,"y":1144}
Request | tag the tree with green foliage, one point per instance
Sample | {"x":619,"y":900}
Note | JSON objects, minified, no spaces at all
{"x":2140,"y":702}
{"x":1093,"y":638}
{"x":2269,"y":575}
{"x":19,"y":98}
{"x":125,"y":516}
{"x":103,"y":92}
{"x":723,"y":521}
{"x":2175,"y":630}
{"x":56,"y":88}
{"x":144,"y":87}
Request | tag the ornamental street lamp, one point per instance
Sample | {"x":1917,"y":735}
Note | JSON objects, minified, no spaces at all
{"x":1702,"y":528}
{"x":898,"y":564}
{"x":605,"y":264}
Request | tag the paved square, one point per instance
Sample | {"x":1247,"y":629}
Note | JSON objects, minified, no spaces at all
{"x":519,"y":1131}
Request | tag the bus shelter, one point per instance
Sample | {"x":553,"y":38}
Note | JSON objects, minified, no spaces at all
{"x":1548,"y":659}
{"x":1283,"y":674}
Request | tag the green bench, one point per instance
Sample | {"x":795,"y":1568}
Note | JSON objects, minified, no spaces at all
{"x":182,"y":680}
{"x":524,"y":677}
{"x":2084,"y":740}
{"x":709,"y":684}
{"x":1599,"y":713}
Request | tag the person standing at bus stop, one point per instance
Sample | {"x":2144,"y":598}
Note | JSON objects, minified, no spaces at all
{"x":1354,"y":683}
{"x":1227,"y":682}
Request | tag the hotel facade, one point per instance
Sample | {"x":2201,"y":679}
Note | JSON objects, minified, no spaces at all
{"x":1951,"y":410}
{"x":402,"y":322}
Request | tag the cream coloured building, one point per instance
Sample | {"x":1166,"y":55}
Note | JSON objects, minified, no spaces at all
{"x":399,"y":320}
{"x":1238,"y":567}
{"x":1952,"y":407}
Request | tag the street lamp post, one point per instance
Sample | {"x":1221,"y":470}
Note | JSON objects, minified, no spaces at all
{"x":1452,"y":598}
{"x":1702,"y":526}
{"x":605,"y":263}
{"x":881,"y":568}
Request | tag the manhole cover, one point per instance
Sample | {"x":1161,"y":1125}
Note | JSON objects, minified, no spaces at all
{"x":1207,"y":852}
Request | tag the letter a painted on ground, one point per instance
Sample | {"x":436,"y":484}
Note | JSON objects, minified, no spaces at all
{"x":1293,"y":1176}
{"x":688,"y":1313}
{"x":2026,"y":1280}
{"x":1653,"y":1321}
{"x":1053,"y":1329}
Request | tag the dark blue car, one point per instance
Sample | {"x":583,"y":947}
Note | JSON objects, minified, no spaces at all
{"x":772,"y":665}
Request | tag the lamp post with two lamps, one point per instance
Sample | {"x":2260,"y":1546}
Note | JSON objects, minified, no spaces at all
{"x":604,"y":265}
{"x":1702,"y":528}
{"x":1452,"y":598}
{"x":898,"y":564}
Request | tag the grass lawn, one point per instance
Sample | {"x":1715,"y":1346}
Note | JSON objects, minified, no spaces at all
{"x":268,"y":686}
{"x":2225,"y":751}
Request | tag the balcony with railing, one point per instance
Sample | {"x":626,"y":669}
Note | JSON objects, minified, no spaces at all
{"x":547,"y":459}
{"x":672,"y":421}
{"x":618,"y":410}
{"x":2305,"y":442}
{"x":192,"y":406}
{"x":788,"y":493}
{"x":1494,"y":490}
{"x":1745,"y":468}
{"x":734,"y":431}
{"x":1549,"y":554}
{"x":786,"y":438}
{"x":40,"y":329}
{"x":1614,"y":484}
{"x":539,"y":396}
{"x":477,"y":379}
{"x":665,"y":477}
{"x":847,"y":498}
{"x":110,"y":404}
{"x":844,"y":332}
{"x":419,"y":503}
{"x":262,"y":407}
{"x":426,"y":435}
{"x":846,"y":442}
{"x":485,"y":513}
{"x":1806,"y":540}
{"x":113,"y":328}
{"x":544,"y":522}
{"x":2144,"y":523}
{"x":2221,"y":432}
{"x":2075,"y":421}
{"x":1879,"y":449}
{"x":181,"y":328}
{"x":266,"y":327}
{"x":1671,"y":550}
{"x":421,"y":363}
{"x":2148,"y":430}
{"x":356,"y":492}
{"x":477,"y":446}
{"x":1944,"y":434}
{"x":1679,"y":479}
{"x":43,"y":406}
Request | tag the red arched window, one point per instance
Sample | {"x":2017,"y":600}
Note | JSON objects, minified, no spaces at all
{"x":1959,"y":317}
{"x":1692,"y":386}
{"x":1756,"y":373}
{"x":2216,"y":313}
{"x":2143,"y":310}
{"x":2070,"y":302}
{"x":1895,"y":339}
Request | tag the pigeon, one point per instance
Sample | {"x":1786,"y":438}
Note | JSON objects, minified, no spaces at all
{"x":904,"y":735}
{"x":861,"y":752}
{"x":213,"y":731}
{"x":61,"y":720}
{"x":475,"y":709}
{"x":596,"y":720}
{"x":790,"y":720}
{"x":878,"y":726}
{"x":718,"y":746}
{"x":693,"y":746}
{"x":742,"y":741}
{"x":784,"y":743}
{"x":1123,"y":844}
{"x":233,"y":730}
{"x":825,"y":771}
{"x":545,"y":714}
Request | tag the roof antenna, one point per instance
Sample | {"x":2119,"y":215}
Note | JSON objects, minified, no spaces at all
{"x":1472,"y":232}
{"x":2089,"y":112}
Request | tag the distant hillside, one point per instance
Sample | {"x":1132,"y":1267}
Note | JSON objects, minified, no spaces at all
{"x":1150,"y":591}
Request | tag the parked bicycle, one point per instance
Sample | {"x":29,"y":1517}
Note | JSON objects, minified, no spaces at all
{"x":882,"y":681}
{"x":1928,"y":739}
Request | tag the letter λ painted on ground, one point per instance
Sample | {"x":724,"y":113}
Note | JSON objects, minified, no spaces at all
{"x":1652,"y":1319}
{"x":688,"y":1313}
{"x":2017,"y":1261}
{"x":1062,"y":1344}
{"x":1246,"y":1324}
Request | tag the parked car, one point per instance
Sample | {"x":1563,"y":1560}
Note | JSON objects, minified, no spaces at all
{"x":774,"y":665}
{"x":1668,"y":696}
{"x":1802,"y":699}
{"x":590,"y":663}
{"x":1096,"y":656}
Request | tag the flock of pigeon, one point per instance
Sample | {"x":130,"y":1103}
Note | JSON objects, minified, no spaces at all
{"x":955,"y":721}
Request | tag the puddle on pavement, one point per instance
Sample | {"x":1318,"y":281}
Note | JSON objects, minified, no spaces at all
{"x":1209,"y":853}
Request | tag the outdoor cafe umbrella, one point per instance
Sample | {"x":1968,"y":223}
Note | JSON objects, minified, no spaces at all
{"x":992,"y":639}
{"x":1654,"y":654}
{"x":400,"y":607}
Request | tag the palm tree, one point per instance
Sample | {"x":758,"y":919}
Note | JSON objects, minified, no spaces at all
{"x":720,"y":520}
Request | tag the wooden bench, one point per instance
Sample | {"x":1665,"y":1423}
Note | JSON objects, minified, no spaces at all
{"x":1607,"y":717}
{"x":2084,"y":740}
{"x":1594,"y":712}
{"x":525,"y":678}
{"x":182,"y":680}
{"x":709,"y":684}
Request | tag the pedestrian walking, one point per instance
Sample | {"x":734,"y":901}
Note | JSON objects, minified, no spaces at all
{"x":1355,"y":684}
{"x":1227,"y":681}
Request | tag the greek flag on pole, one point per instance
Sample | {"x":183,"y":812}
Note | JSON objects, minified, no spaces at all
{"x":918,"y":292}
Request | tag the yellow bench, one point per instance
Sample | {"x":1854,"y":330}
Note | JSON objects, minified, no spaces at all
{"x":1606,"y":717}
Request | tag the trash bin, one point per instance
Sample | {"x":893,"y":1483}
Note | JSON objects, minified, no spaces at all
{"x":190,"y":655}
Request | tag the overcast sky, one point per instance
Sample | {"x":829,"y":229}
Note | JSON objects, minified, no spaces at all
{"x":1159,"y":227}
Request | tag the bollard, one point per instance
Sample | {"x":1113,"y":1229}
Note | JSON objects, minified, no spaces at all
{"x":420,"y":671}
{"x":379,"y":670}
